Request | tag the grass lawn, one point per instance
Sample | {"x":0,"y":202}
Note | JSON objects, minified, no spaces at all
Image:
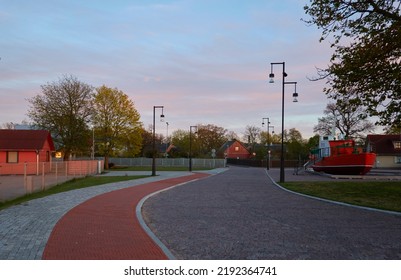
{"x":68,"y":186}
{"x":382,"y":195}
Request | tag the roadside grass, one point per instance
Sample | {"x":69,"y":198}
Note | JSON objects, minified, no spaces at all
{"x":158,"y":168}
{"x":73,"y":184}
{"x":384,"y":195}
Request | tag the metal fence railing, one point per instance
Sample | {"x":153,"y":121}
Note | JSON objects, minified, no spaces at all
{"x":174,"y":162}
{"x":24,"y":178}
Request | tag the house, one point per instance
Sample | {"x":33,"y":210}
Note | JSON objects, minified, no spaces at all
{"x":24,"y":146}
{"x":234,"y":149}
{"x":387,"y":149}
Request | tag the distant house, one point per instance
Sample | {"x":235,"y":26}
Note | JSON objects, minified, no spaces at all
{"x":234,"y":149}
{"x":23,"y":146}
{"x":387,"y":149}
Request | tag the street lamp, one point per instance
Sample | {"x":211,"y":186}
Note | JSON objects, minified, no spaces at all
{"x":154,"y":137}
{"x":190,"y":145}
{"x":268,"y":140}
{"x":295,"y":96}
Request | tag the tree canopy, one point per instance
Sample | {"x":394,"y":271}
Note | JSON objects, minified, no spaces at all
{"x":365,"y":68}
{"x":116,"y":122}
{"x":65,"y":109}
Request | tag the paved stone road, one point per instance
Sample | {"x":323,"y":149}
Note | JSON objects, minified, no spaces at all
{"x":241,"y":214}
{"x":25,"y":228}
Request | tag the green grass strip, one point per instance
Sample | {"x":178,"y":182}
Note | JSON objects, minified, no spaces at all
{"x":73,"y":184}
{"x":158,"y":168}
{"x":376,"y":194}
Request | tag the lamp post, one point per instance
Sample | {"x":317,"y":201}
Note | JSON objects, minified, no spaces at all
{"x":268,"y":141}
{"x":295,"y":95}
{"x":190,"y":145}
{"x":154,"y":137}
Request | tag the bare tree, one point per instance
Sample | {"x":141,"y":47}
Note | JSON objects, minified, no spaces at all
{"x":251,"y":134}
{"x":350,"y":120}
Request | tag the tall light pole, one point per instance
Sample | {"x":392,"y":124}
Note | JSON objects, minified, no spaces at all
{"x":154,"y":137}
{"x":268,"y":140}
{"x":295,"y":95}
{"x":190,"y":145}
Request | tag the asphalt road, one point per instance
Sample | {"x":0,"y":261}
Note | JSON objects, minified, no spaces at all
{"x":241,"y":214}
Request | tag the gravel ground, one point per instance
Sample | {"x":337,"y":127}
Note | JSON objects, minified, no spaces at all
{"x":240,"y":214}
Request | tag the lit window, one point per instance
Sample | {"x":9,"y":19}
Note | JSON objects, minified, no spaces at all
{"x":12,"y":157}
{"x":236,"y":149}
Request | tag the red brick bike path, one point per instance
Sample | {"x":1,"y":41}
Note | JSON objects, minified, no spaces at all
{"x":106,"y":227}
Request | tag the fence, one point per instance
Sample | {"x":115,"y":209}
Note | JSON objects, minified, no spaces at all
{"x":20,"y":179}
{"x":263,"y":163}
{"x":171,"y":162}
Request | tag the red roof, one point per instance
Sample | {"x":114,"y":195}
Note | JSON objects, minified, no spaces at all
{"x":24,"y":140}
{"x":384,"y":144}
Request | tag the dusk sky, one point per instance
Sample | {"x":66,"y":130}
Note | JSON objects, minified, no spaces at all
{"x":206,"y":62}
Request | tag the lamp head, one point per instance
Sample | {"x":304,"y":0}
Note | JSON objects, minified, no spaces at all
{"x":295,"y":96}
{"x":271,"y":76}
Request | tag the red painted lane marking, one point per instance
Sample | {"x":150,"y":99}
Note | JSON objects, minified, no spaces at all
{"x":105,"y":227}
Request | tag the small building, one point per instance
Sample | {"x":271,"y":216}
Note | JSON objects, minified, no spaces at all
{"x":24,"y":146}
{"x":387,"y":149}
{"x":234,"y":149}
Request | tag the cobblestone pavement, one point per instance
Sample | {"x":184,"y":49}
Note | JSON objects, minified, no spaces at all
{"x":106,"y":227}
{"x":241,"y":214}
{"x":25,"y":228}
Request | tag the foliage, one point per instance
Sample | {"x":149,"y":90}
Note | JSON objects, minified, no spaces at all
{"x":366,"y":72}
{"x":64,"y":108}
{"x":116,"y":122}
{"x":349,"y":119}
{"x":207,"y":138}
{"x":296,"y":145}
{"x":210,"y":137}
{"x":74,"y":184}
{"x":180,"y":139}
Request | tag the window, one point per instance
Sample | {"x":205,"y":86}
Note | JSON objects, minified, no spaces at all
{"x":397,"y":145}
{"x":12,"y":157}
{"x":397,"y":159}
{"x":237,"y":149}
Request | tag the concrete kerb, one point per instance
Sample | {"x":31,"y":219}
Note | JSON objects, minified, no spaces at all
{"x":145,"y":227}
{"x":47,"y":211}
{"x":332,"y":201}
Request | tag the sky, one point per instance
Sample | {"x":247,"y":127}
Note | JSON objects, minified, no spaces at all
{"x":206,"y":62}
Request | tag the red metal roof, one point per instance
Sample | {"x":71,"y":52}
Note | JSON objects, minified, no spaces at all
{"x":384,"y":144}
{"x":24,"y":140}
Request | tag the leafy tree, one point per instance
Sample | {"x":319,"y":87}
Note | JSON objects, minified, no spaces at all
{"x":210,"y":137}
{"x":65,"y":109}
{"x":117,"y":125}
{"x":296,"y":145}
{"x":393,"y":129}
{"x":207,"y":138}
{"x":349,"y":119}
{"x":180,"y":139}
{"x":366,"y":71}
